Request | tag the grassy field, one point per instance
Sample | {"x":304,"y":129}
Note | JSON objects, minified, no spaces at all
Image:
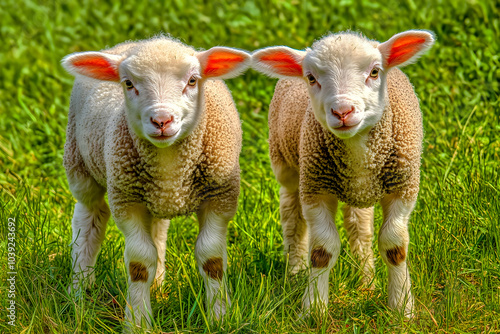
{"x":455,"y":232}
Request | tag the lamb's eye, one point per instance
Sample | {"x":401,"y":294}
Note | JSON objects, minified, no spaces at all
{"x":312,"y":79}
{"x":192,"y":81}
{"x":374,"y":73}
{"x":129,"y":84}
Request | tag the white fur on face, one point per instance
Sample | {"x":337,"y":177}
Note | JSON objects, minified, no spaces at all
{"x":162,"y":93}
{"x":341,"y":65}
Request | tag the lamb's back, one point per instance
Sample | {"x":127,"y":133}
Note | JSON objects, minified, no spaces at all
{"x":93,"y":106}
{"x":286,"y":116}
{"x":407,"y":133}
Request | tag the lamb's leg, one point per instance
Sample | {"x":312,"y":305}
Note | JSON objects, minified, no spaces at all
{"x":159,"y":230}
{"x":393,"y":246}
{"x":359,"y":226}
{"x":324,"y":249}
{"x":295,"y":235}
{"x":141,"y":259}
{"x":211,"y":256}
{"x":89,"y":222}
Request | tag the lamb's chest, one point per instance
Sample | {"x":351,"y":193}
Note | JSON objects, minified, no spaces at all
{"x":166,"y":199}
{"x":362,"y":191}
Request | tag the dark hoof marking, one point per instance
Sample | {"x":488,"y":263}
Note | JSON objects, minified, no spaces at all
{"x":213,"y":267}
{"x":138,"y":272}
{"x":396,"y":255}
{"x":320,"y":257}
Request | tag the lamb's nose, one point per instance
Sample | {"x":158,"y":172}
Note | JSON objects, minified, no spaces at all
{"x":162,"y":123}
{"x":342,"y":112}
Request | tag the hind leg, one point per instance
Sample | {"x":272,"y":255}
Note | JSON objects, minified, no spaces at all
{"x":159,"y":230}
{"x":89,"y":227}
{"x":295,"y":235}
{"x":359,"y":226}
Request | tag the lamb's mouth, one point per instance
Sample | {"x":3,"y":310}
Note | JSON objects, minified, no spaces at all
{"x":345,"y":127}
{"x":163,"y":136}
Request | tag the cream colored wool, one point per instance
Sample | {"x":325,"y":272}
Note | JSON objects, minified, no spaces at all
{"x":394,"y":146}
{"x":201,"y":166}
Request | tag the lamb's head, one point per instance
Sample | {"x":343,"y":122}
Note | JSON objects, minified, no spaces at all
{"x":162,"y":82}
{"x":346,"y":75}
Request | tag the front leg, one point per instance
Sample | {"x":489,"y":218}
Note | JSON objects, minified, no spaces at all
{"x":324,"y":249}
{"x":393,"y":246}
{"x":211,"y":255}
{"x":134,"y":220}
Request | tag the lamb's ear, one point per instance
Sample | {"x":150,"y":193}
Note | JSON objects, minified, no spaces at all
{"x":279,"y":61}
{"x":223,"y":63}
{"x":97,"y":65}
{"x":404,"y":48}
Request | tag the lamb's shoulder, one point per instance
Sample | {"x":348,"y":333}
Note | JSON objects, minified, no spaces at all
{"x":407,"y":123}
{"x":217,"y":175}
{"x":222,"y":136}
{"x":93,"y":105}
{"x":407,"y":134}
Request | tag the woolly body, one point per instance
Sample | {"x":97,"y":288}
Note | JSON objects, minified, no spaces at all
{"x":391,"y":160}
{"x":172,"y":181}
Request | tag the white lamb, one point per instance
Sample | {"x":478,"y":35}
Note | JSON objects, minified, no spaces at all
{"x":163,"y":140}
{"x":348,"y":129}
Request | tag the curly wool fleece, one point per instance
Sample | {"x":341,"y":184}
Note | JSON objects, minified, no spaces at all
{"x":327,"y":165}
{"x":202,"y":165}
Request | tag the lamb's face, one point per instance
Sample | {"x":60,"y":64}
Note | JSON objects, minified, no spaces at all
{"x":163,"y":99}
{"x":162,"y":82}
{"x":346,"y":75}
{"x":346,"y":82}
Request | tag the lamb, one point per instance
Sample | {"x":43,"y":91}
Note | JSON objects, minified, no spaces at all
{"x":149,"y":126}
{"x":346,"y":126}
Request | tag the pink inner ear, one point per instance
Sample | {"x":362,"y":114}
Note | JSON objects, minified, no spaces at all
{"x":221,"y":62}
{"x":282,"y":63}
{"x":96,"y":67}
{"x":404,"y":48}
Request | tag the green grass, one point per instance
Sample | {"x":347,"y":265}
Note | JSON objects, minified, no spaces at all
{"x":455,"y":232}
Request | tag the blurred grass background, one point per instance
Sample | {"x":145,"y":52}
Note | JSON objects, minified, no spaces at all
{"x":455,"y":234}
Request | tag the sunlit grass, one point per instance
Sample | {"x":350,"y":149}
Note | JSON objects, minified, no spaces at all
{"x":455,"y":234}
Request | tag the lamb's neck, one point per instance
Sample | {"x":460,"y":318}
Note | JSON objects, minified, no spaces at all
{"x":357,"y":149}
{"x":176,"y":160}
{"x":357,"y":142}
